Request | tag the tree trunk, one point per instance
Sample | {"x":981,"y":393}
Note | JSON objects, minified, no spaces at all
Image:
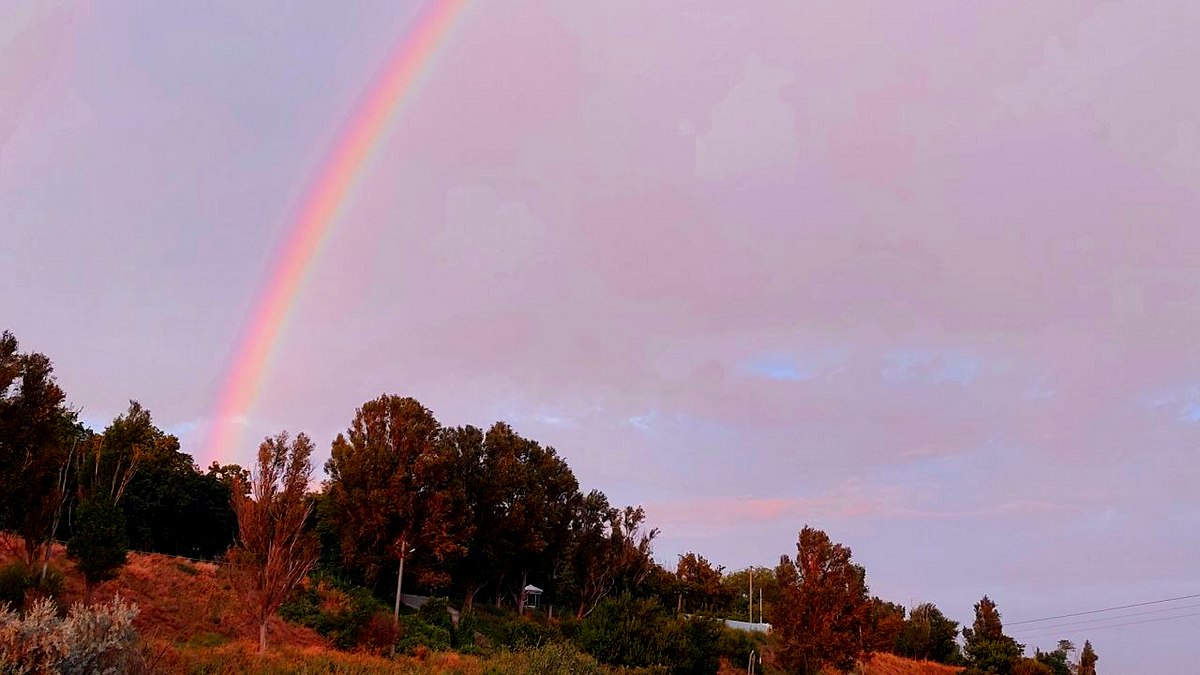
{"x":89,"y":589}
{"x":521,"y":596}
{"x":262,"y":638}
{"x":469,"y":596}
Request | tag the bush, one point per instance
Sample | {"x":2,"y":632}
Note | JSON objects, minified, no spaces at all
{"x":17,"y":580}
{"x":98,"y":543}
{"x":436,"y":612}
{"x":416,"y":633}
{"x":349,"y":619}
{"x":98,"y":639}
{"x":552,"y":659}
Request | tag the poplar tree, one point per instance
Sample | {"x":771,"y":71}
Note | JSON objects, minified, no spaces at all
{"x":274,"y":552}
{"x":823,"y":607}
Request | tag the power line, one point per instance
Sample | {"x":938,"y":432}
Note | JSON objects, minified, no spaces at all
{"x":1118,"y":625}
{"x":1072,"y":624}
{"x":1106,"y":609}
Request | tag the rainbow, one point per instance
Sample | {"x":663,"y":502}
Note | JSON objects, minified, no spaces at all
{"x":319,"y":210}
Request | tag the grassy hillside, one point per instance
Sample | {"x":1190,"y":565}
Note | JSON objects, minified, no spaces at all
{"x":890,"y":664}
{"x":191,"y":621}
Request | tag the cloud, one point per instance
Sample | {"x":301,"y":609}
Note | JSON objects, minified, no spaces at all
{"x":753,"y":128}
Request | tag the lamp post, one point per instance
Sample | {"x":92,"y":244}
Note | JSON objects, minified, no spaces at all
{"x":404,"y":551}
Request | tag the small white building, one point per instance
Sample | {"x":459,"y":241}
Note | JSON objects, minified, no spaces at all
{"x":533,"y":596}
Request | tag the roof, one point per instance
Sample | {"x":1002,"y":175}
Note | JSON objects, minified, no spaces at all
{"x":532,"y":589}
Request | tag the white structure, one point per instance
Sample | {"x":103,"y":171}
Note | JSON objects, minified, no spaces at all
{"x":533,"y":595}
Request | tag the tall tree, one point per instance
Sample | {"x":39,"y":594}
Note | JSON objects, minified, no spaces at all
{"x":274,"y":551}
{"x":37,"y":433}
{"x":884,"y":624}
{"x":1087,"y":659}
{"x":104,"y":467}
{"x":823,"y":606}
{"x":988,"y":649}
{"x":929,"y":635}
{"x":700,"y":584}
{"x":392,"y":495}
{"x":610,"y":550}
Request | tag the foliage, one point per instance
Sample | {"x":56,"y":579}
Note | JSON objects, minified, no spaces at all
{"x":1087,"y":659}
{"x":98,"y":542}
{"x":1058,"y":660}
{"x":274,"y":550}
{"x":699,"y":585}
{"x":350,"y":619}
{"x":391,"y":488}
{"x":987,"y":648}
{"x":558,"y":659}
{"x":737,"y":585}
{"x":97,"y":639}
{"x":609,"y":550}
{"x":37,"y":436}
{"x":823,"y":606}
{"x":17,"y":581}
{"x":1031,"y":667}
{"x":415,"y":633}
{"x":170,"y":506}
{"x":637,"y":632}
{"x":884,"y":624}
{"x":927,"y":634}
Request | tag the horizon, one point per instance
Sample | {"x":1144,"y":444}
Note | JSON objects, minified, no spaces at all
{"x":923,"y":278}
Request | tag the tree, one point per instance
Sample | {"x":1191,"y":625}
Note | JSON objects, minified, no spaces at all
{"x":929,"y":635}
{"x":1087,"y":659}
{"x":608,"y":550}
{"x":700,"y":584}
{"x":988,"y":649}
{"x":884,"y":624}
{"x":392,"y":494}
{"x":274,"y":552}
{"x":1058,"y":660}
{"x":823,"y":606}
{"x":104,"y":468}
{"x":98,"y":543}
{"x":766,"y":592}
{"x":37,"y":433}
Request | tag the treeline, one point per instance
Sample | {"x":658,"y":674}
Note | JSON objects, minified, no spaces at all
{"x":472,"y":515}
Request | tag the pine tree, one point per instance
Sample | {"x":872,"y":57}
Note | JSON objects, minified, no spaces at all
{"x":1087,"y":659}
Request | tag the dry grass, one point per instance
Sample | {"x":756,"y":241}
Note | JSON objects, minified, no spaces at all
{"x":889,"y":664}
{"x":240,"y":657}
{"x":180,"y":601}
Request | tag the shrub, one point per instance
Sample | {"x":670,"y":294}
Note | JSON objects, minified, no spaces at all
{"x":551,"y":659}
{"x":416,"y":633}
{"x":98,"y":639}
{"x":349,"y":619}
{"x":98,"y":544}
{"x":17,"y":581}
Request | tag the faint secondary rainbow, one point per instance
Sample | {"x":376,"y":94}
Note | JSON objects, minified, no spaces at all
{"x":318,"y":211}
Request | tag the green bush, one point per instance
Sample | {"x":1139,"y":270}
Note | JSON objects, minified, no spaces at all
{"x":639,"y":633}
{"x":98,"y":543}
{"x":416,"y":633}
{"x":355,"y":624}
{"x":16,"y":580}
{"x":551,"y":659}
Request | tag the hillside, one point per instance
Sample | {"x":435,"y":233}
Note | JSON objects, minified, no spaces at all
{"x":190,"y":618}
{"x":890,"y":664}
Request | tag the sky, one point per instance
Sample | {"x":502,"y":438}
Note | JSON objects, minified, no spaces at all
{"x":923,"y":275}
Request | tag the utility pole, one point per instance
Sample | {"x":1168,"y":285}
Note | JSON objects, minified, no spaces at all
{"x":751,"y":603}
{"x":404,"y":551}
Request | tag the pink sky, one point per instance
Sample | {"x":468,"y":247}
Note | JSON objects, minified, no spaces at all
{"x":923,"y":275}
